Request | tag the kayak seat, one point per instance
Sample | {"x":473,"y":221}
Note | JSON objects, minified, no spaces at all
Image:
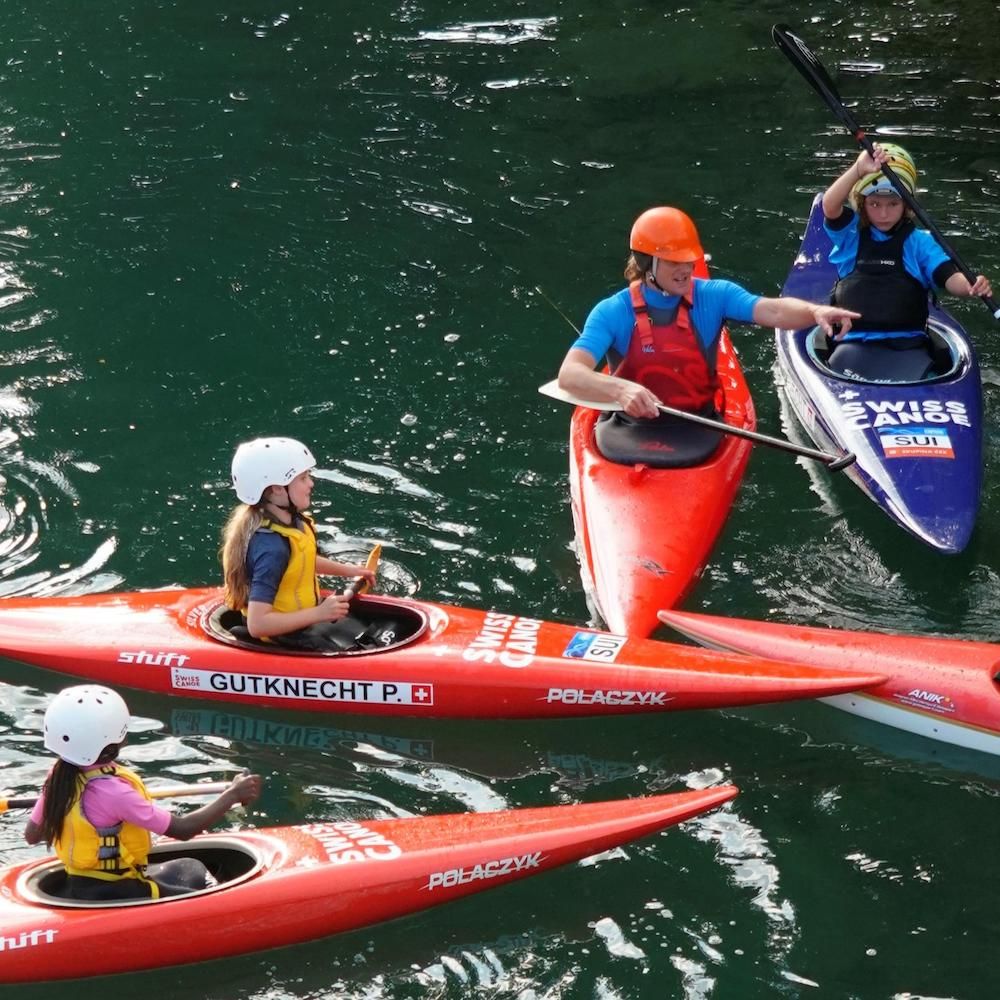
{"x":230,"y":861}
{"x":882,"y":361}
{"x":350,"y":633}
{"x":666,"y":442}
{"x":375,"y":625}
{"x":234,"y":623}
{"x":911,"y":359}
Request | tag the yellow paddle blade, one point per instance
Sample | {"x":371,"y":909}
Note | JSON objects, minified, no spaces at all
{"x":363,"y":586}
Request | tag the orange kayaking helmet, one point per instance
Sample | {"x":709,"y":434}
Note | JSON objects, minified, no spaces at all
{"x":666,"y":233}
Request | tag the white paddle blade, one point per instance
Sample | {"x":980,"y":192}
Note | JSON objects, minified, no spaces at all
{"x":552,"y":390}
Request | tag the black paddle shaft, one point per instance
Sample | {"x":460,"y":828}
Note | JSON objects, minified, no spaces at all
{"x":800,"y":56}
{"x":833,"y":462}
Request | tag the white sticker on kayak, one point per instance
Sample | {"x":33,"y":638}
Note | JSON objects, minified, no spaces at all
{"x":505,"y":639}
{"x":348,"y":842}
{"x":930,"y":701}
{"x":916,"y":442}
{"x":157,"y":659}
{"x":597,"y":646}
{"x":902,"y":413}
{"x":485,"y":871}
{"x":28,"y":939}
{"x":369,"y":692}
{"x":577,"y":696}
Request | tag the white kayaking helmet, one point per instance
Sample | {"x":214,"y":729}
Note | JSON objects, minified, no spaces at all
{"x":81,"y":721}
{"x":267,"y":462}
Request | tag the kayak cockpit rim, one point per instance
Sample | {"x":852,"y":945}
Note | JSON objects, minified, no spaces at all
{"x":408,"y":621}
{"x":946,"y":344}
{"x":230,"y":860}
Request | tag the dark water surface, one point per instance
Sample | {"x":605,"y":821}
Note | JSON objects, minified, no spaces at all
{"x":219,"y":220}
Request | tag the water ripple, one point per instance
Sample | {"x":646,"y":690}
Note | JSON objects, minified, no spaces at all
{"x":31,"y":488}
{"x":509,"y":32}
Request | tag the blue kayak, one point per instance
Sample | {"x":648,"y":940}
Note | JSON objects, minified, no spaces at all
{"x":911,"y":414}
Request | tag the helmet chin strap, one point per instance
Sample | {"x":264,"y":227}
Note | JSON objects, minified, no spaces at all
{"x":652,"y":277}
{"x":288,"y":506}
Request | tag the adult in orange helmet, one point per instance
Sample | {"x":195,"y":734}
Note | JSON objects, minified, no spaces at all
{"x":665,"y":325}
{"x":886,"y":266}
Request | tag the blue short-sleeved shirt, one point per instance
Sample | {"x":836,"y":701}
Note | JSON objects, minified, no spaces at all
{"x":267,"y":559}
{"x":610,"y":323}
{"x":921,"y":253}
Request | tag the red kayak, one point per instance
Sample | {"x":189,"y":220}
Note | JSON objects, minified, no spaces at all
{"x":644,"y":533}
{"x":437,"y":661}
{"x":945,"y":689}
{"x":285,"y":885}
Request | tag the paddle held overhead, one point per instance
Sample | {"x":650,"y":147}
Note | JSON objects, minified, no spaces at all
{"x":803,"y":59}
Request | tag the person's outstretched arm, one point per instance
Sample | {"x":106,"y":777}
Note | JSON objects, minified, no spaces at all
{"x":794,"y":314}
{"x":245,"y":788}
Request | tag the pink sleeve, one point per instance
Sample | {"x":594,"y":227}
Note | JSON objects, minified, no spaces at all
{"x":111,"y":801}
{"x":36,"y":810}
{"x":137,"y":810}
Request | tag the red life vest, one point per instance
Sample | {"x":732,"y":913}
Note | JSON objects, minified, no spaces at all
{"x":670,"y":360}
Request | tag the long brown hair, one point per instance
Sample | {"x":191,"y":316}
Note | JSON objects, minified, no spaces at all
{"x":61,"y":787}
{"x":240,"y":526}
{"x":64,"y":783}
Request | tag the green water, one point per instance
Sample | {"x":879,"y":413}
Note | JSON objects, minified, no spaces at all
{"x":224,"y":220}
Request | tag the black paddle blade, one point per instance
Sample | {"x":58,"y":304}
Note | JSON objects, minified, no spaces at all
{"x":802,"y":58}
{"x":798,"y":53}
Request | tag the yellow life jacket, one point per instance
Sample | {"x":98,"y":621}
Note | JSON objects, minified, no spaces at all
{"x":109,"y":853}
{"x":299,"y":587}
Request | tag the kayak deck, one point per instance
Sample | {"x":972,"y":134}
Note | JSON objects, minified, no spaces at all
{"x":944,"y":689}
{"x":635,"y":558}
{"x":315,"y":880}
{"x":464,"y":663}
{"x":916,"y":431}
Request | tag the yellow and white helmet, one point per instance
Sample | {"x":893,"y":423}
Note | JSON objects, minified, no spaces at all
{"x":877,"y":183}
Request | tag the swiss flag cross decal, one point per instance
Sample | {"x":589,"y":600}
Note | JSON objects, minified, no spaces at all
{"x":422,"y":694}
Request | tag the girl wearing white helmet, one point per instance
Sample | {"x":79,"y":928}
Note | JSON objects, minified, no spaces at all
{"x":886,"y":265}
{"x":98,"y":815}
{"x":269,"y":554}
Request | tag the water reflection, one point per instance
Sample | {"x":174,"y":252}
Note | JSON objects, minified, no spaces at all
{"x":434,"y":751}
